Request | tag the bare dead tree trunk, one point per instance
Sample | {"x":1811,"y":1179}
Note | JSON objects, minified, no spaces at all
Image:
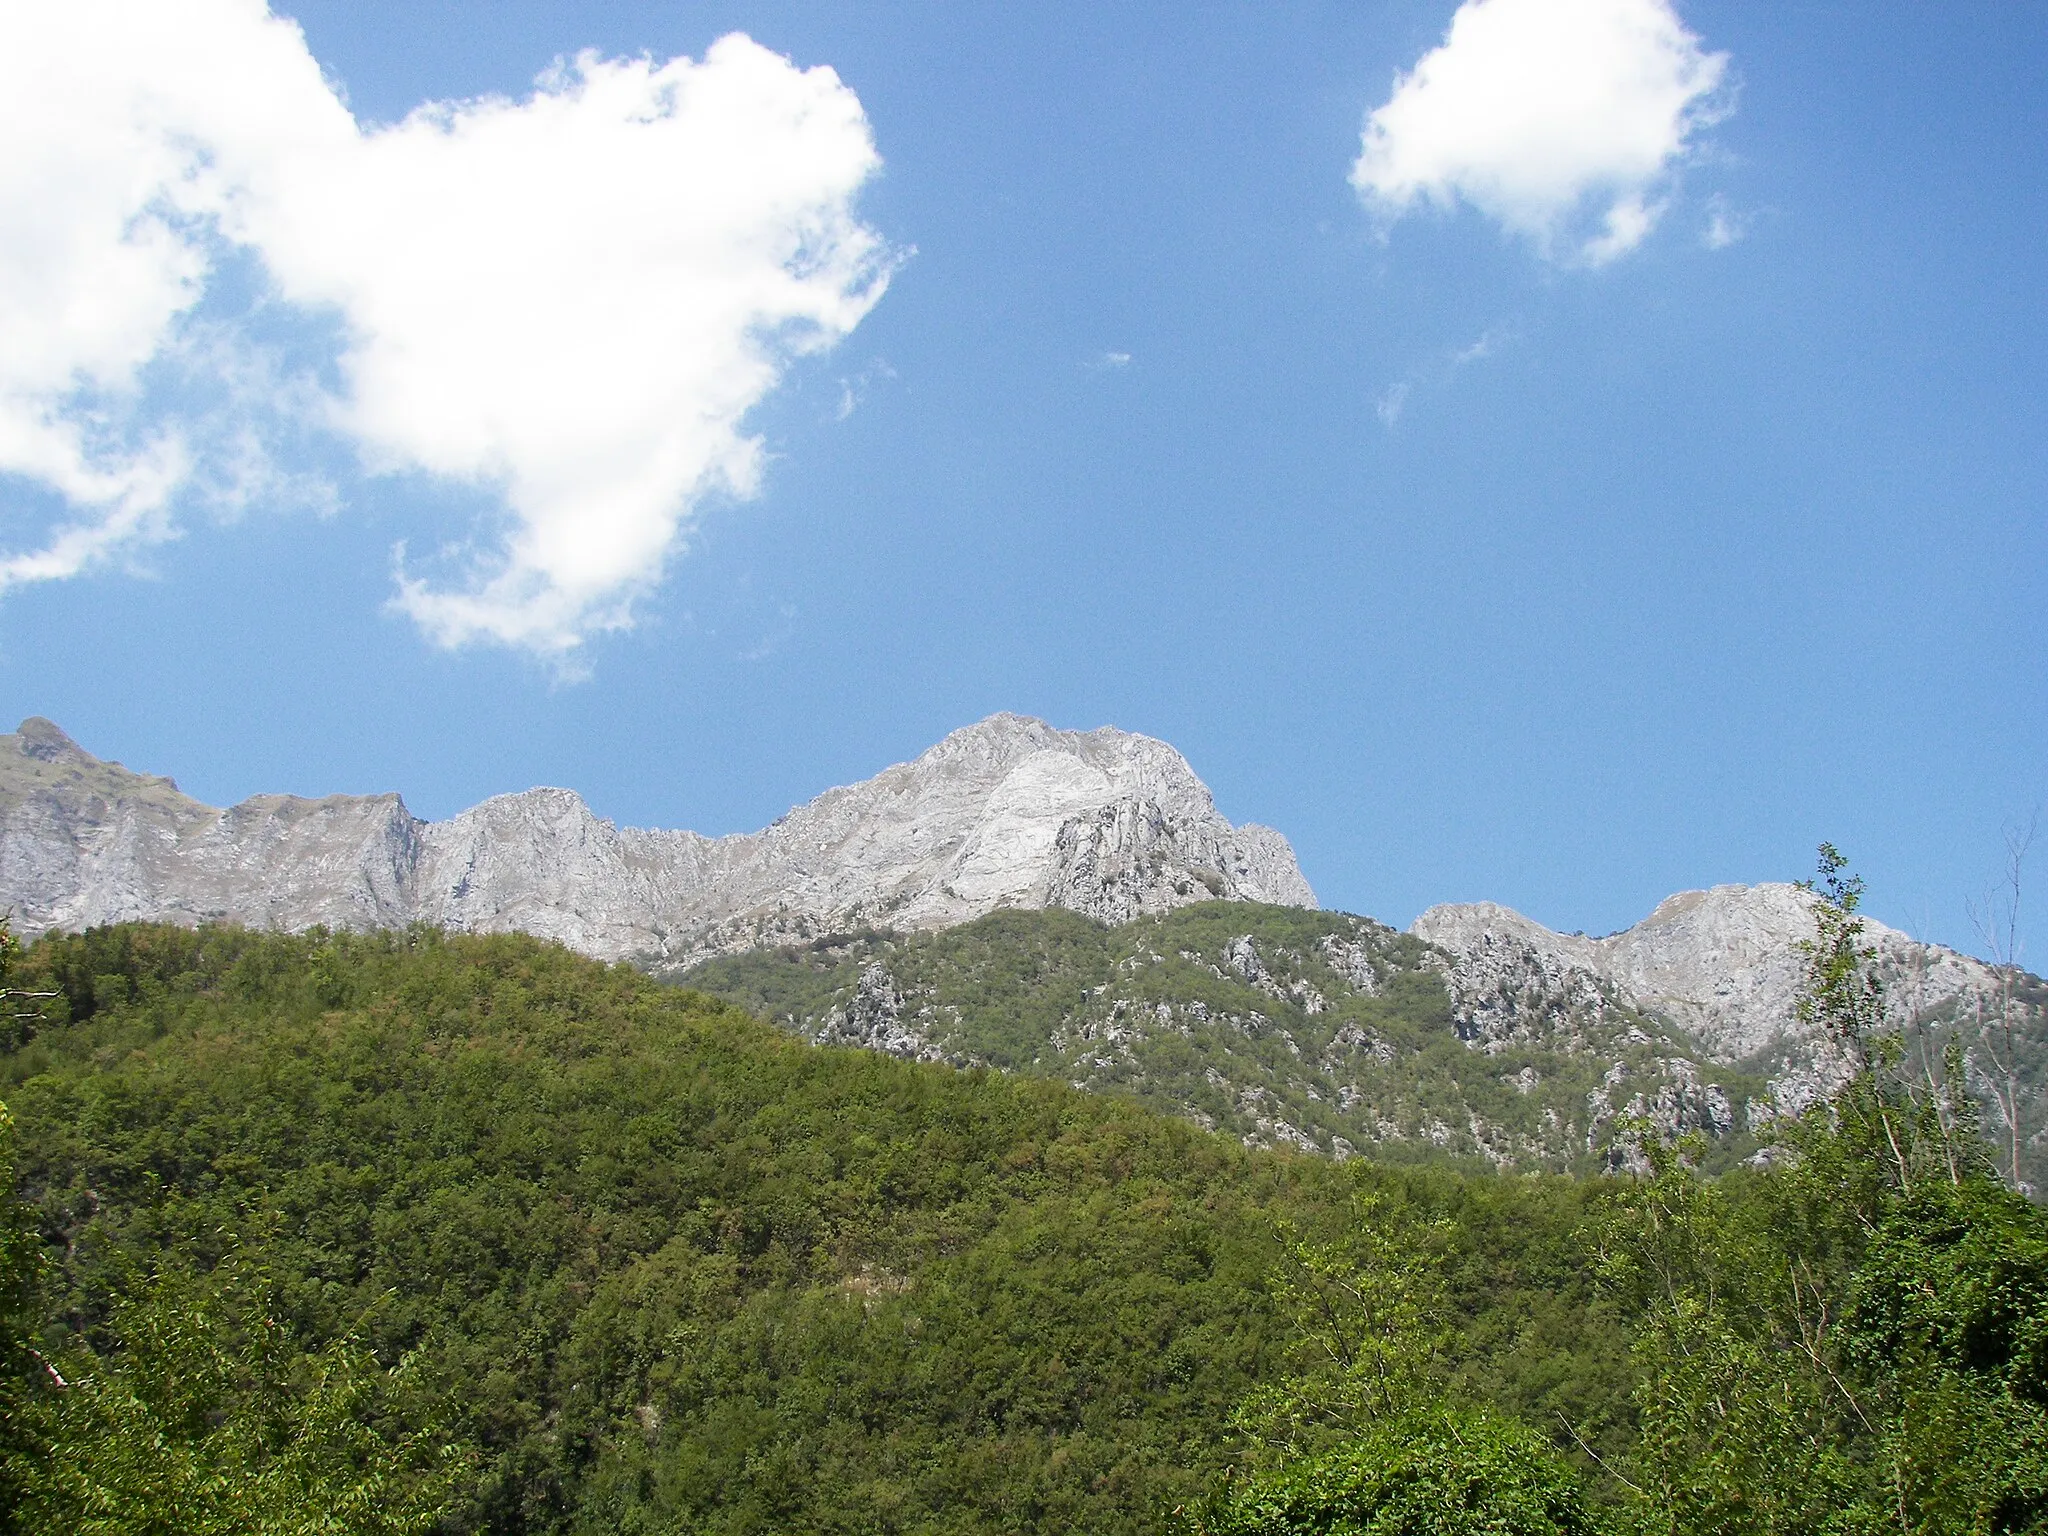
{"x":1907,"y":999}
{"x":1997,"y":920}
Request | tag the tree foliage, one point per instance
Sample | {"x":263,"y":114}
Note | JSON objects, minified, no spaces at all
{"x":1372,"y":1437}
{"x":1425,"y":1472}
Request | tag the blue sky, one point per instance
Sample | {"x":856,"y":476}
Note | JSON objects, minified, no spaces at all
{"x":1483,"y":562}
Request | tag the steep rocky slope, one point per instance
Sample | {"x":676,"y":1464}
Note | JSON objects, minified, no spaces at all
{"x":1724,"y":966}
{"x":1009,"y":812}
{"x":1724,"y":963}
{"x":1318,"y":1030}
{"x":1481,"y":1035}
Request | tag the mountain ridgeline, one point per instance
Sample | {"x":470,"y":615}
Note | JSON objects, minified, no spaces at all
{"x":1007,"y":813}
{"x":1494,"y":1040}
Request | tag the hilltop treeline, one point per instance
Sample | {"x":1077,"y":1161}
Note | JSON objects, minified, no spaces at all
{"x":416,"y":1232}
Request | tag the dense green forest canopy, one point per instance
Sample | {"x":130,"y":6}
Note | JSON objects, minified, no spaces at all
{"x":416,"y":1232}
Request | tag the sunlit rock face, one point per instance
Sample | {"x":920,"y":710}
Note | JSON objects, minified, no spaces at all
{"x":1006,"y":813}
{"x":1724,"y":965}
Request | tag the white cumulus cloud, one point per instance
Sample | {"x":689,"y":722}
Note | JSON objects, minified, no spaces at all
{"x":570,"y":302}
{"x":1563,"y":120}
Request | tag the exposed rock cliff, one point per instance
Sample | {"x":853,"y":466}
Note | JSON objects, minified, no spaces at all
{"x":1724,"y":965}
{"x":1006,"y":813}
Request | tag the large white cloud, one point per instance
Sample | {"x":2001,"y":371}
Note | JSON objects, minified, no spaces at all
{"x":1561,"y":119}
{"x":570,"y":301}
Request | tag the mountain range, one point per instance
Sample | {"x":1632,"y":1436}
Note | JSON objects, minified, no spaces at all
{"x":1688,"y":1017}
{"x":1006,"y":813}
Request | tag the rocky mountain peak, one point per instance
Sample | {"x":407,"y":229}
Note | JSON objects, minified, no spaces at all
{"x":1723,"y":964}
{"x":44,"y":741}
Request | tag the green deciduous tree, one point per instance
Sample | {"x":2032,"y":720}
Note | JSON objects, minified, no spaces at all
{"x":1369,"y":1439}
{"x":24,"y":1374}
{"x":1369,"y":1317}
{"x":195,"y":1416}
{"x":192,"y":1414}
{"x":1424,"y":1472}
{"x":202,"y":1420}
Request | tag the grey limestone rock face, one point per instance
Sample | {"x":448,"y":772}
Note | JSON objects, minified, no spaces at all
{"x":873,"y":1019}
{"x":1006,"y":813}
{"x":1723,"y":965}
{"x":1513,"y":981}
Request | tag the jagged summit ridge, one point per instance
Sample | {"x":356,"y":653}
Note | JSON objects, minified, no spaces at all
{"x":1007,"y":812}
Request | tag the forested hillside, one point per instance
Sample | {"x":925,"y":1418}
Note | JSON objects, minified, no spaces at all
{"x":413,"y":1232}
{"x":665,"y":1261}
{"x":1282,"y":1026}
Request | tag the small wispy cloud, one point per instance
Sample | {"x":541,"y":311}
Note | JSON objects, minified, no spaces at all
{"x":1482,"y":348}
{"x":1392,"y":402}
{"x":1724,"y":225}
{"x":1104,"y":361}
{"x":856,"y":389}
{"x":776,"y":637}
